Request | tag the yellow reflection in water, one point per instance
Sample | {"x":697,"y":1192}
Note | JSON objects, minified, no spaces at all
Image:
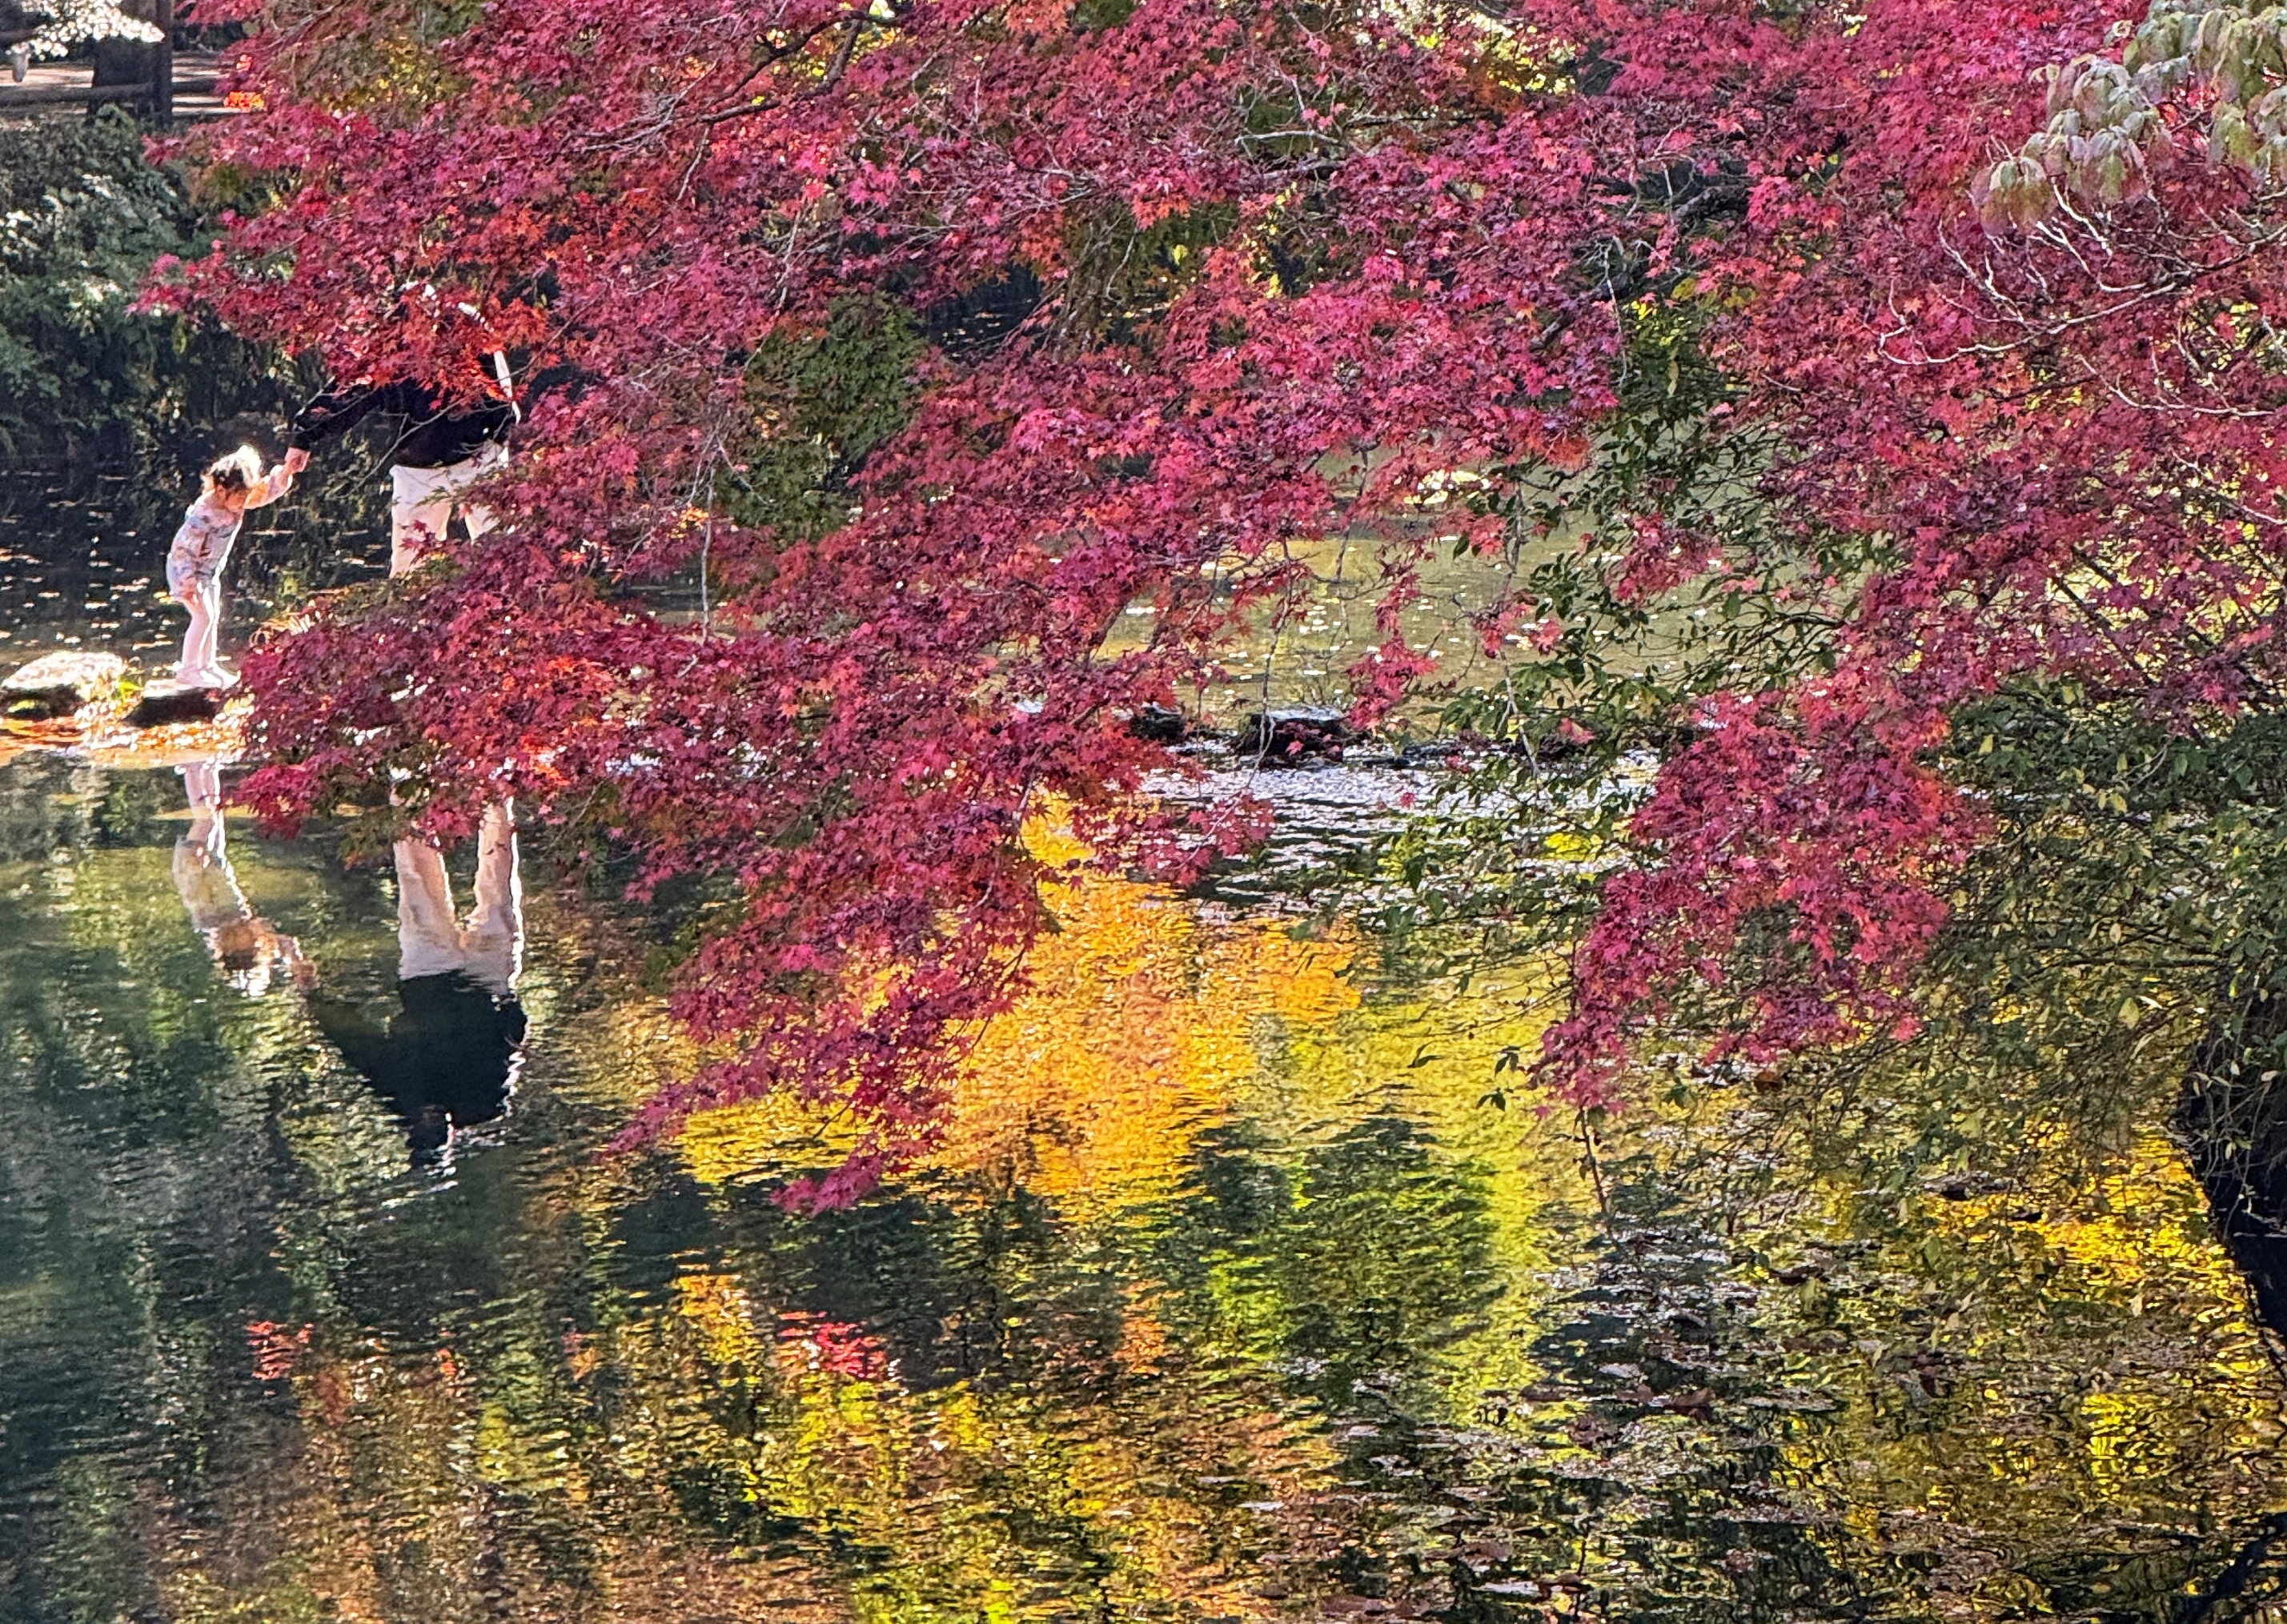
{"x":1141,"y":1027}
{"x":2058,"y":1366}
{"x":1140,"y":1023}
{"x":1990,"y":1379}
{"x":1146,"y":1025}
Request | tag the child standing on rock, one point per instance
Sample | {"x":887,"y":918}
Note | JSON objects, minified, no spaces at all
{"x":194,"y":563}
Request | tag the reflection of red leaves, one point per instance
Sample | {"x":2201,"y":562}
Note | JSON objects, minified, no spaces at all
{"x":834,"y":1346}
{"x":276,"y":1350}
{"x":333,"y":1397}
{"x":582,"y":1357}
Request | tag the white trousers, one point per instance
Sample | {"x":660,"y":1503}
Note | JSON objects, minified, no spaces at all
{"x":423,"y":500}
{"x":203,"y":598}
{"x":432,"y":940}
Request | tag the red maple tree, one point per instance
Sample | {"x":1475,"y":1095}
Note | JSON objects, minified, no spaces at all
{"x":1174,"y":283}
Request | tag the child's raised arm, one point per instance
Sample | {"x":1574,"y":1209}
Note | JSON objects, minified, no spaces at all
{"x":270,"y":486}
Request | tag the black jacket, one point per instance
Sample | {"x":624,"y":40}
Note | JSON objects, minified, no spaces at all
{"x":428,"y":432}
{"x":443,"y":1063}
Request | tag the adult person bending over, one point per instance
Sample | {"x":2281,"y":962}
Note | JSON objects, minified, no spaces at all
{"x":442,"y":447}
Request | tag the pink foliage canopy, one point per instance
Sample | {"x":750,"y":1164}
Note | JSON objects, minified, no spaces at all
{"x":1293,"y":259}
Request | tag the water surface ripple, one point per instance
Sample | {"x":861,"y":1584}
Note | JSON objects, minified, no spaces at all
{"x":1230,"y":1294}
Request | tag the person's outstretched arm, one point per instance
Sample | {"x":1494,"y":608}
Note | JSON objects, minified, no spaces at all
{"x":336,"y":411}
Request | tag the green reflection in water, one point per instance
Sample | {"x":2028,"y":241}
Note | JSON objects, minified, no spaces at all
{"x":1230,"y":1295}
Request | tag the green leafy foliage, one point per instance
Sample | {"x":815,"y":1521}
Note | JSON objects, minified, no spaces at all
{"x":83,"y":214}
{"x":1661,"y":573}
{"x":2125,"y":906}
{"x":820,"y":403}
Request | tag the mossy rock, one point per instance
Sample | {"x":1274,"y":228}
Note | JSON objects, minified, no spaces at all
{"x":61,"y":684}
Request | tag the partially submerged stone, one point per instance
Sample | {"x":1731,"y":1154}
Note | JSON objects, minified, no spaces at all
{"x":169,"y":701}
{"x":1289,"y":738}
{"x":60,"y":684}
{"x":1159,"y":724}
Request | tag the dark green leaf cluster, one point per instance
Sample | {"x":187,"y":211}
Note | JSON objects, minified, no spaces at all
{"x":821,"y":404}
{"x":2135,"y":885}
{"x":82,"y":215}
{"x":1564,"y":745}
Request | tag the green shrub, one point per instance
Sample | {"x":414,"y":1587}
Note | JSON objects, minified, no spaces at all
{"x":84,"y":374}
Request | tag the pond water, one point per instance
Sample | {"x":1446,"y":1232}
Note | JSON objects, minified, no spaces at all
{"x":84,"y":563}
{"x":1238,"y":1288}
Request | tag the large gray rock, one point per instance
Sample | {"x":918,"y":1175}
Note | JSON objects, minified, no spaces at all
{"x":57,"y":685}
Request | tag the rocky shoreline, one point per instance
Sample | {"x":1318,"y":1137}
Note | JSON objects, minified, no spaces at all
{"x":98,"y":705}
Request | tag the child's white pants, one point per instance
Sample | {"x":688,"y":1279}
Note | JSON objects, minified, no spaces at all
{"x":202,"y":597}
{"x":423,"y":500}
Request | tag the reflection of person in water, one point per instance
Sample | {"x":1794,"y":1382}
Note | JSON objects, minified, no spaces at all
{"x":249,"y":948}
{"x":448,"y":1059}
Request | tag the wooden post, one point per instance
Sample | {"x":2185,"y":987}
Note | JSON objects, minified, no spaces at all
{"x":163,"y":66}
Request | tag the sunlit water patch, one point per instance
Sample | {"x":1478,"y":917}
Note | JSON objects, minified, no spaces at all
{"x":1237,"y":1288}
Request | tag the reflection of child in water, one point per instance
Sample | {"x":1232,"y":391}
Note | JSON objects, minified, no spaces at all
{"x":249,"y":949}
{"x":448,"y":1061}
